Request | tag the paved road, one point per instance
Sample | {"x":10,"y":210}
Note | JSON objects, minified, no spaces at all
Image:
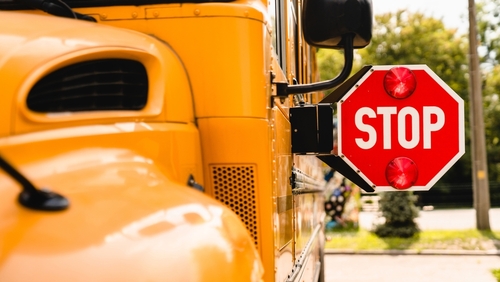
{"x":410,"y":268}
{"x":418,"y":268}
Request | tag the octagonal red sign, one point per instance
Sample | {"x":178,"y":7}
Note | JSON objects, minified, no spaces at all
{"x":401,"y":127}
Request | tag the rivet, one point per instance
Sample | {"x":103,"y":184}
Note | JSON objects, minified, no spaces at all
{"x":245,"y":13}
{"x":134,"y":15}
{"x":197,"y":12}
{"x":156,"y":14}
{"x":103,"y":16}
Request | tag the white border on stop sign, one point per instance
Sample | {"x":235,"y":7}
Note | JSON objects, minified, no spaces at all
{"x":461,"y":130}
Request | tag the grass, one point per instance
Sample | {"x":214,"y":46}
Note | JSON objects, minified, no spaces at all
{"x":363,"y":240}
{"x":496,"y":273}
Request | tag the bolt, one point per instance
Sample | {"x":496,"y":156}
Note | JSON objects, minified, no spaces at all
{"x":134,"y":15}
{"x":197,"y":12}
{"x":103,"y":16}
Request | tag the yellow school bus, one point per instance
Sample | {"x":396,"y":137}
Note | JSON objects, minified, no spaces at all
{"x":151,"y":140}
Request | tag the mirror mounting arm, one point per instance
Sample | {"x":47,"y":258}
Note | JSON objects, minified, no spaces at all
{"x":30,"y":196}
{"x":285,"y":90}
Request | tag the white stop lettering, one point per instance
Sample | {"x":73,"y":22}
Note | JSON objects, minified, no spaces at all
{"x":428,"y":126}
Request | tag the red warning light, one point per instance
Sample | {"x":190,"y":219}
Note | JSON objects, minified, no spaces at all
{"x":401,"y":173}
{"x":400,"y":82}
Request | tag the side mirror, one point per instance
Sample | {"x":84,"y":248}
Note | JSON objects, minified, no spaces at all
{"x":326,"y":21}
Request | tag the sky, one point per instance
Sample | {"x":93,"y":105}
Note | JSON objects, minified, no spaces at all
{"x":454,"y":13}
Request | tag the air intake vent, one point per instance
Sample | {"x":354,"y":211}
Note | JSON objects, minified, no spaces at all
{"x":235,"y":187}
{"x":112,"y":84}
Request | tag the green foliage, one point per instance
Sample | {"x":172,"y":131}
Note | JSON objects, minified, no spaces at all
{"x":399,"y":211}
{"x":488,"y":20}
{"x":491,"y":102}
{"x":496,"y":273}
{"x":488,"y":16}
{"x":331,"y":62}
{"x":406,"y":38}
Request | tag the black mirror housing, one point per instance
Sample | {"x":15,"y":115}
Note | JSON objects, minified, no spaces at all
{"x":326,"y":21}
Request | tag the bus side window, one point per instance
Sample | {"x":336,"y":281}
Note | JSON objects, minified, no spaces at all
{"x":277,"y":12}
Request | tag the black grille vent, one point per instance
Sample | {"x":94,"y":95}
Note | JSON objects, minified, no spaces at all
{"x":111,"y":84}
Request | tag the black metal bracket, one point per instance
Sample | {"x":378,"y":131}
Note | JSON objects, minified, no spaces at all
{"x":338,"y":164}
{"x":57,"y":8}
{"x":284,"y":89}
{"x":30,"y":196}
{"x":312,"y":128}
{"x":192,"y":183}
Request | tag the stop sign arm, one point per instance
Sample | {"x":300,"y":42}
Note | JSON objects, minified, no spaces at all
{"x":343,"y":168}
{"x":336,"y":162}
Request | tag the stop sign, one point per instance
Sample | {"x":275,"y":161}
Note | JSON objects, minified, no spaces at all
{"x":400,"y":128}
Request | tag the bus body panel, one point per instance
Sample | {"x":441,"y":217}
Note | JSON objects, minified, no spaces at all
{"x":130,"y":218}
{"x":212,"y":114}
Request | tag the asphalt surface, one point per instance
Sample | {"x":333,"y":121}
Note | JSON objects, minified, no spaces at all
{"x":410,"y":268}
{"x":440,"y":267}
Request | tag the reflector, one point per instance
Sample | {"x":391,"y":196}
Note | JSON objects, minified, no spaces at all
{"x":401,"y":173}
{"x":400,"y":82}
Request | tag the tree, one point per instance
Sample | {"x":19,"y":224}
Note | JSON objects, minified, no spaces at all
{"x":488,"y":20}
{"x":491,"y":101}
{"x":488,"y":17}
{"x":331,"y":62}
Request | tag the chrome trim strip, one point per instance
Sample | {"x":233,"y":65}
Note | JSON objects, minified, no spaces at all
{"x":297,"y":269}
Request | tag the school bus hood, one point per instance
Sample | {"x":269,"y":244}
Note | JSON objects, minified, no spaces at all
{"x":127,"y":221}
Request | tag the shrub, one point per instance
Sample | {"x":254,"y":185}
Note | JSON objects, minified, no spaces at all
{"x":399,"y":211}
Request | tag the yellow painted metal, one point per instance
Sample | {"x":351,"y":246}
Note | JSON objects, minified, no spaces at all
{"x":224,"y":54}
{"x":284,"y":243}
{"x":227,"y":57}
{"x":52,"y":43}
{"x":210,"y":106}
{"x":244,"y":141}
{"x":125,"y":173}
{"x":131,"y":216}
